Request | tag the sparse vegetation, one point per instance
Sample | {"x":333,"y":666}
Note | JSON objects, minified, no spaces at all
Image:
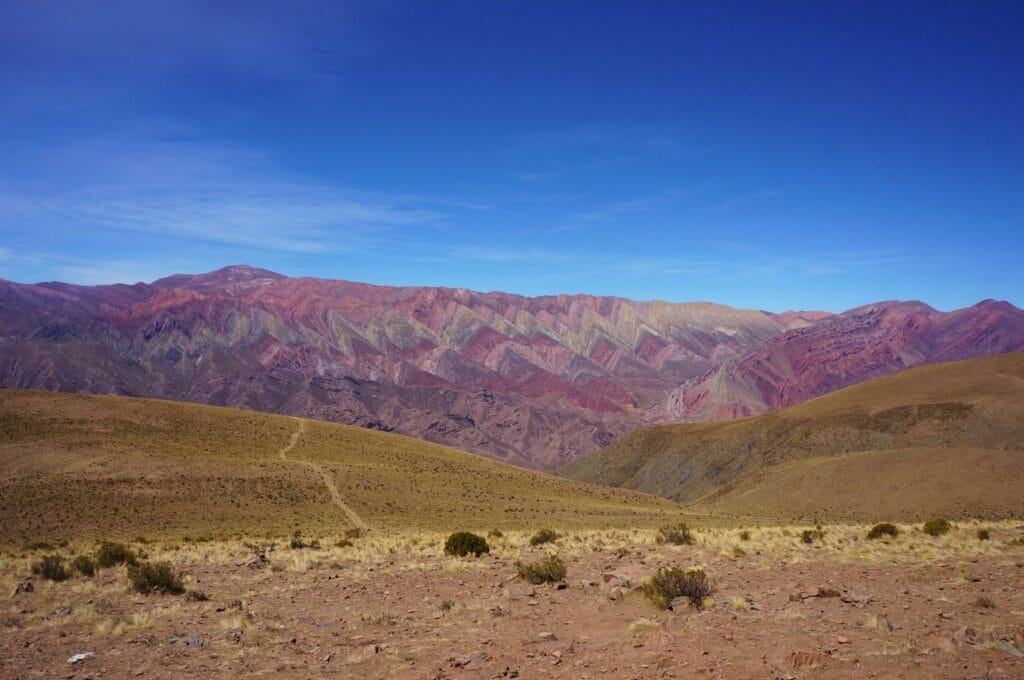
{"x":51,"y":568}
{"x":883,"y":529}
{"x":495,"y":533}
{"x":744,"y":535}
{"x":985,"y":602}
{"x":937,"y":527}
{"x":354,"y":533}
{"x":84,"y":565}
{"x":298,"y":543}
{"x":676,"y":534}
{"x":551,"y":569}
{"x":462,"y":543}
{"x":809,"y":536}
{"x":983,"y":534}
{"x":158,"y":577}
{"x":111,"y":554}
{"x":196,"y":596}
{"x":543,"y":536}
{"x":670,"y":583}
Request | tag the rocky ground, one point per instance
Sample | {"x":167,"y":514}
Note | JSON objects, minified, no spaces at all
{"x":844,"y":607}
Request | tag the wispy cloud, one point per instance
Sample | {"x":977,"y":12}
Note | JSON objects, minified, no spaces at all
{"x":632,"y":206}
{"x":207,"y":193}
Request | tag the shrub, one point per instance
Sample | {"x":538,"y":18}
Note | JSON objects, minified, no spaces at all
{"x":462,"y":543}
{"x":937,"y":527}
{"x":344,"y":543}
{"x":196,"y":596}
{"x":158,"y":577}
{"x":744,"y":535}
{"x":984,"y":534}
{"x":298,"y":544}
{"x":883,"y":529}
{"x":51,"y":568}
{"x":811,"y":535}
{"x":548,"y":570}
{"x":39,"y":545}
{"x":672,"y":582}
{"x":354,"y":533}
{"x":111,"y":554}
{"x":495,"y":533}
{"x":84,"y":565}
{"x":543,"y":536}
{"x":676,"y":534}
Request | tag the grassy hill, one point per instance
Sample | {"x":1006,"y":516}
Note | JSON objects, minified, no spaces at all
{"x":941,"y":439}
{"x":92,"y":467}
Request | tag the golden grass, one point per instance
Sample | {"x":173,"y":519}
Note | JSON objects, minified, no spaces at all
{"x":97,"y":467}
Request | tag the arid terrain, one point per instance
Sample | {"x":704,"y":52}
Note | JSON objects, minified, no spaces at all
{"x":295,"y":548}
{"x":939,"y":440}
{"x":393,"y":606}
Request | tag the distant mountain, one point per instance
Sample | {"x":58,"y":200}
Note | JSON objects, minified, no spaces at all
{"x":940,"y":440}
{"x":531,"y":381}
{"x":838,"y":351}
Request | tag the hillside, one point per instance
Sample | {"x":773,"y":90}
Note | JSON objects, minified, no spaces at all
{"x":940,"y":439}
{"x":78,"y":466}
{"x":532,"y":381}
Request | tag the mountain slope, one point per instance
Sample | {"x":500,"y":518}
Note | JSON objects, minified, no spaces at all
{"x":533,"y":381}
{"x":536,"y":382}
{"x":859,"y":453}
{"x":863,"y":343}
{"x":83,"y":466}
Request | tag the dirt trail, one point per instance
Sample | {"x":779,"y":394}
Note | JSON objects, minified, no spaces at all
{"x":324,"y":473}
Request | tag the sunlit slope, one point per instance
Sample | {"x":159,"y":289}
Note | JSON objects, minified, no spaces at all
{"x":99,"y":466}
{"x":941,"y":439}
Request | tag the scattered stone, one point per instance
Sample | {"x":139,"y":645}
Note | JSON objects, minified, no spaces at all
{"x":79,"y":658}
{"x":191,"y":641}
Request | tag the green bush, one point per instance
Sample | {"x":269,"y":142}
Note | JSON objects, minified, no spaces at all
{"x":883,"y":529}
{"x":549,"y":570}
{"x":112,"y":554}
{"x":51,"y":568}
{"x":155,"y":577}
{"x":984,"y":534}
{"x":543,"y":536}
{"x":672,"y":582}
{"x":937,"y":527}
{"x":676,"y":534}
{"x":462,"y":543}
{"x":84,"y":565}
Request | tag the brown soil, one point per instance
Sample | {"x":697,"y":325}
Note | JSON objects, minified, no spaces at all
{"x":914,"y":608}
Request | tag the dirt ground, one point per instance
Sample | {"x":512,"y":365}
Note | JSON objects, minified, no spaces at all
{"x":916,"y":607}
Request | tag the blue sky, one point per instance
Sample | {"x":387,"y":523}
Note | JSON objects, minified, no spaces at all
{"x":770,"y":155}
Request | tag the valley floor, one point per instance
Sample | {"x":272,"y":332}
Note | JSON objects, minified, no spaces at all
{"x":394,"y":606}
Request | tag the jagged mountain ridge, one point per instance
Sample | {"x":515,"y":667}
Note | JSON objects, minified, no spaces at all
{"x":532,"y":381}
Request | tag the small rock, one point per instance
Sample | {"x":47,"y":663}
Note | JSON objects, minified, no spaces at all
{"x":546,"y":637}
{"x":24,"y":587}
{"x":79,"y":658}
{"x":842,"y":639}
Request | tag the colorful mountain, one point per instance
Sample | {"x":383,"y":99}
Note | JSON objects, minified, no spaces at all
{"x":536,"y":381}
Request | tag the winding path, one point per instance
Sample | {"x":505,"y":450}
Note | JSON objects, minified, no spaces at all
{"x":324,"y":473}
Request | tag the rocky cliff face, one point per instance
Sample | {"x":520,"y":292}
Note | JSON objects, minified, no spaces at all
{"x":533,"y":381}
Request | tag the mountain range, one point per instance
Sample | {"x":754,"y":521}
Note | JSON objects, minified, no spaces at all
{"x":534,"y":381}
